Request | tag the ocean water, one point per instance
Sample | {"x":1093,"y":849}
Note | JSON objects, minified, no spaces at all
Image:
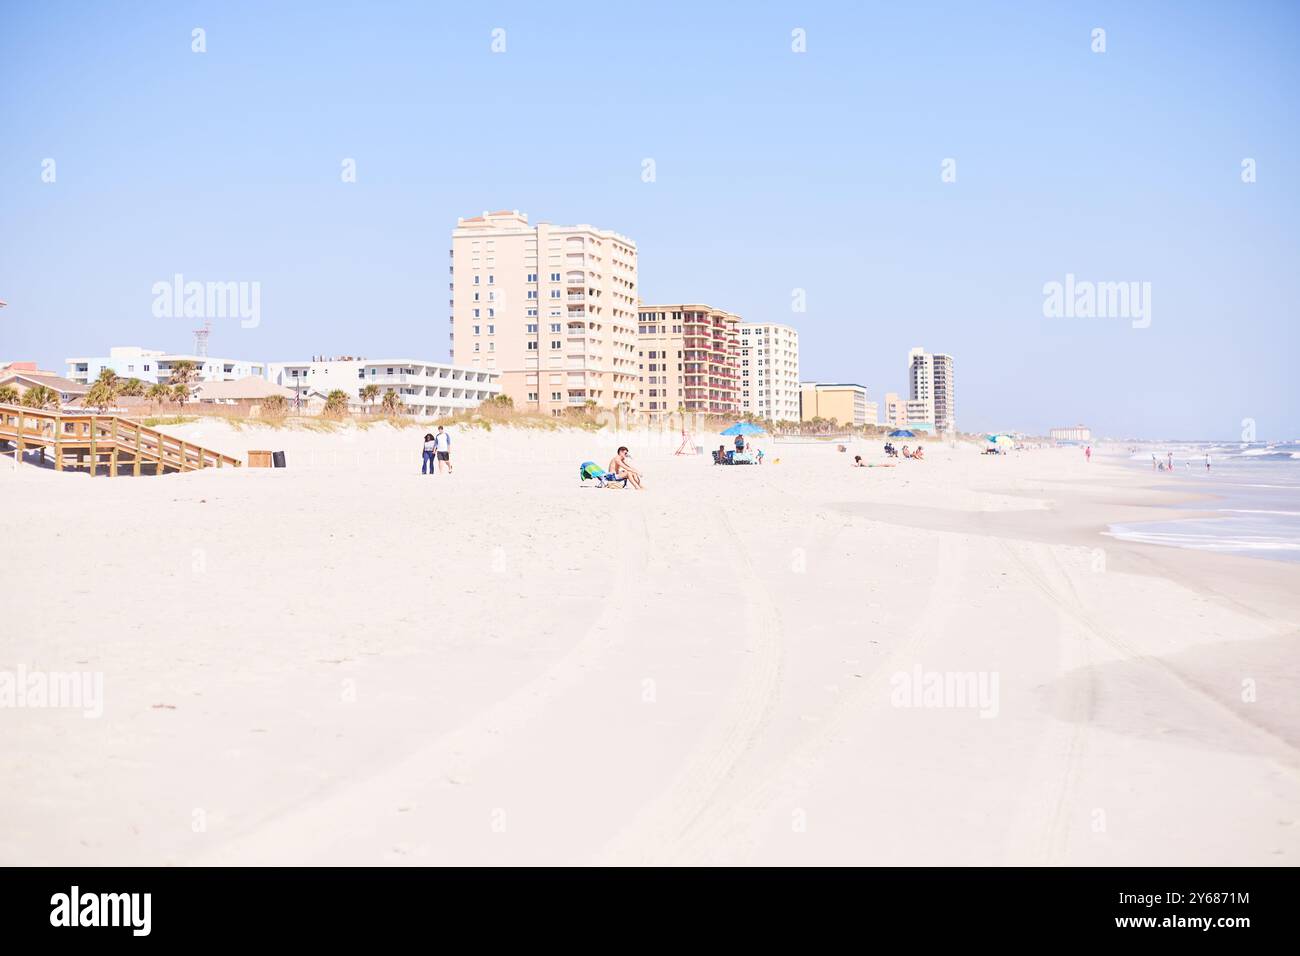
{"x":1256,"y":503}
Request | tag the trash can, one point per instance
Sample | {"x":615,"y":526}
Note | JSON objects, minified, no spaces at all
{"x":259,"y":459}
{"x":278,"y":459}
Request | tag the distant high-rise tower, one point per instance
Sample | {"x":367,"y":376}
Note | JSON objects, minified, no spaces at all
{"x":930,"y":381}
{"x":201,"y":339}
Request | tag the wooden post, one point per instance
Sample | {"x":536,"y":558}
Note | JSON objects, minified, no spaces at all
{"x":112,"y":455}
{"x":137,"y":451}
{"x":94,"y":449}
{"x":58,"y":444}
{"x":184,"y":460}
{"x":19,"y":458}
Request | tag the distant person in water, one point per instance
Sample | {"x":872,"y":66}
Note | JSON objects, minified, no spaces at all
{"x":1207,"y":461}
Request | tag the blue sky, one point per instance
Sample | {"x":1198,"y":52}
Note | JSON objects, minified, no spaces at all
{"x":775,"y":171}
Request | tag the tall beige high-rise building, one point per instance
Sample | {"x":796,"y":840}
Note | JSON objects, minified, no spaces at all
{"x":551,"y":309}
{"x":769,"y":371}
{"x":931,"y":381}
{"x":688,"y":358}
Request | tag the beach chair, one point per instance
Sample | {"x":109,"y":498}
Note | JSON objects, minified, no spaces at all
{"x":590,"y":471}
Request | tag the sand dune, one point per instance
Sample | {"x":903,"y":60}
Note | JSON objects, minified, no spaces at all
{"x":344,"y":662}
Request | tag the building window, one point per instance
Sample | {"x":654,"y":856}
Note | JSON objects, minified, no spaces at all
{"x":555,"y":277}
{"x":555,"y":344}
{"x":556,"y":396}
{"x":476,"y":280}
{"x":492,"y":280}
{"x":555,"y":326}
{"x":532,"y":277}
{"x":532,"y":327}
{"x":532,"y":346}
{"x":532,"y":396}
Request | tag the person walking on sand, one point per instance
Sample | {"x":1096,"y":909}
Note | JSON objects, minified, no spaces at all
{"x":427,"y":466}
{"x":1087,"y":454}
{"x":1171,"y":461}
{"x":1207,"y":461}
{"x":1154,"y":463}
{"x":442,"y":443}
{"x":619,"y":467}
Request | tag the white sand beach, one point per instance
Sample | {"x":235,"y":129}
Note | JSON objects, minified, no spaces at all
{"x":344,"y":662}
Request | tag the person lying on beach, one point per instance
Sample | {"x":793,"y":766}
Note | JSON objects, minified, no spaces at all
{"x":620,"y":468}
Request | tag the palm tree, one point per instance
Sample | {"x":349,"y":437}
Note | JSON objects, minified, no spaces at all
{"x":102,"y":394}
{"x":184,"y":372}
{"x":369,"y":393}
{"x":8,"y":395}
{"x":336,"y":403}
{"x":180,"y":392}
{"x":132,"y":388}
{"x":392,"y":402}
{"x":158,"y":393}
{"x":40,"y":396}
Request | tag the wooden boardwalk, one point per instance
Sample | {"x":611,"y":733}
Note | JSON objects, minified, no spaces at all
{"x":90,"y":442}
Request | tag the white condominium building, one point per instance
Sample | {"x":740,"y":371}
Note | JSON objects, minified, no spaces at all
{"x":769,"y":371}
{"x":153,"y":366}
{"x":1072,"y":433}
{"x":931,"y":382}
{"x":426,"y":388}
{"x":550,"y":309}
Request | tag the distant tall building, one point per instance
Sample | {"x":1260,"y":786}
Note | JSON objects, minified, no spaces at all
{"x":1073,"y":433}
{"x":930,"y":381}
{"x":769,"y":371}
{"x":688,"y":358}
{"x":551,"y":309}
{"x":895,"y":410}
{"x":846,"y":403}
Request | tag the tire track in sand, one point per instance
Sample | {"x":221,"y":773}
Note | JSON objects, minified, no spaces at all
{"x":342,"y":817}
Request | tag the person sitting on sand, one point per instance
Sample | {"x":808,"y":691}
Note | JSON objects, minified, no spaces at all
{"x":919,"y":454}
{"x":906,"y":453}
{"x":857,"y":462}
{"x":620,"y":468}
{"x":720,"y":456}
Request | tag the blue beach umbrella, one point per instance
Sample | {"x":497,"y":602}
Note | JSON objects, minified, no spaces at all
{"x":902,"y":433}
{"x":744,"y":428}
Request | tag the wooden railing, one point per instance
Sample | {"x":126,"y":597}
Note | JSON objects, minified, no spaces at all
{"x":108,"y":440}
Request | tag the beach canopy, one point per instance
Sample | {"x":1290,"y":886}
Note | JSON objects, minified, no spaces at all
{"x":744,"y":428}
{"x":1001,"y":439}
{"x":902,"y":433}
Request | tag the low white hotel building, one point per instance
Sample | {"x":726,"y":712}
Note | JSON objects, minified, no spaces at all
{"x":427,"y":388}
{"x":154,"y":365}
